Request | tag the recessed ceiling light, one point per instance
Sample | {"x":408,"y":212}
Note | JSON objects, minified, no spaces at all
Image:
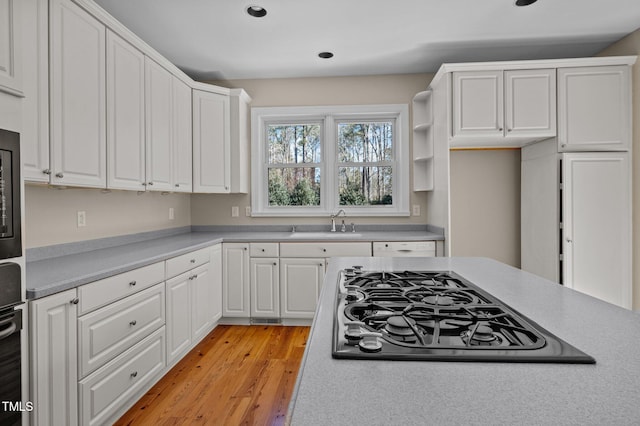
{"x":525,"y":2}
{"x":325,"y":55}
{"x":257,"y":11}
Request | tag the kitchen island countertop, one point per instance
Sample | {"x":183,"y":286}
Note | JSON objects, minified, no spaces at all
{"x":365,"y":392}
{"x":55,"y":273}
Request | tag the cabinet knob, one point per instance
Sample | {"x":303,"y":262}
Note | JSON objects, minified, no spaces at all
{"x":60,"y":175}
{"x":324,"y":250}
{"x":46,"y":171}
{"x":274,"y":263}
{"x":177,"y":185}
{"x":226,"y":188}
{"x":132,"y":323}
{"x":74,"y":301}
{"x":144,"y":183}
{"x":134,"y":374}
{"x":192,"y":261}
{"x":150,"y":183}
{"x":569,"y":240}
{"x":132,"y":283}
{"x":244,"y":248}
{"x":500,"y":129}
{"x":263,"y":250}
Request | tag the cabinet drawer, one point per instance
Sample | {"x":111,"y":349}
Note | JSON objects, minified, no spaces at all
{"x":181,"y":264}
{"x":107,"y":332}
{"x":100,"y":293}
{"x":404,"y":248}
{"x":263,"y":249}
{"x":105,"y":392}
{"x":329,"y":249}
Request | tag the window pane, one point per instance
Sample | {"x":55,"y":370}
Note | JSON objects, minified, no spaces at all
{"x":293,"y":143}
{"x":295,"y":186}
{"x":368,"y":141}
{"x":364,"y":186}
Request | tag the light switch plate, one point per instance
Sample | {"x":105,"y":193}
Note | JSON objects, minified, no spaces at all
{"x":247,"y":211}
{"x":82,"y":218}
{"x":172,"y":215}
{"x":235,"y":211}
{"x":416,"y":210}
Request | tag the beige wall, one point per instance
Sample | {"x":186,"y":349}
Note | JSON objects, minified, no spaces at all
{"x":630,"y":45}
{"x":485,"y":204}
{"x":51,"y":214}
{"x":361,"y":90}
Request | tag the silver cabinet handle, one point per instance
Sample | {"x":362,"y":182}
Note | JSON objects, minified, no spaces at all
{"x":47,"y":171}
{"x":132,"y":323}
{"x":60,"y":175}
{"x":74,"y":301}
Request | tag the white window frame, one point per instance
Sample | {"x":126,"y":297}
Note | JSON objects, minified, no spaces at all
{"x":328,"y":115}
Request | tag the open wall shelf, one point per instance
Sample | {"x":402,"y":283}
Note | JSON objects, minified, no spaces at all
{"x":423,"y":142}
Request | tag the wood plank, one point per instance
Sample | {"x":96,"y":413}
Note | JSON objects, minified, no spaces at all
{"x":237,"y":375}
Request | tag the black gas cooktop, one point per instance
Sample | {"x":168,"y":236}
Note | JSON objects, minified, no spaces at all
{"x":438,"y":316}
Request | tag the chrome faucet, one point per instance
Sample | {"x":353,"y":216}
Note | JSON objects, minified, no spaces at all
{"x":333,"y":220}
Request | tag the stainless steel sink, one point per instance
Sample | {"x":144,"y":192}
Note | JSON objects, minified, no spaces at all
{"x":324,"y":235}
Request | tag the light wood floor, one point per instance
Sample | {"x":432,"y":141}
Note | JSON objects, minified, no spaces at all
{"x":238,"y":375}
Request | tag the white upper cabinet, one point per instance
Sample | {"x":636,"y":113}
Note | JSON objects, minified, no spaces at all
{"x":182,"y":137}
{"x":125,"y":115}
{"x":78,"y":117}
{"x":211,"y":142}
{"x":503,"y":108}
{"x":478,"y":104}
{"x":594,"y":108}
{"x":34,"y":137}
{"x":159,"y":123}
{"x":10,"y":52}
{"x":530,"y":103}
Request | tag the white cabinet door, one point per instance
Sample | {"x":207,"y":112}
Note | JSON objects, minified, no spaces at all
{"x":265,"y":287}
{"x":211,"y":142}
{"x":478,"y":107}
{"x":235,"y":280}
{"x":215,"y":309}
{"x":182,"y":137}
{"x":594,"y":108}
{"x":34,"y":137}
{"x":301,"y":281}
{"x":159,"y":124}
{"x":78,"y":116}
{"x":54,"y":360}
{"x":201,"y":300}
{"x":10,"y":47}
{"x":125,"y":115}
{"x":597,"y":225}
{"x":178,"y":316}
{"x":530,"y":103}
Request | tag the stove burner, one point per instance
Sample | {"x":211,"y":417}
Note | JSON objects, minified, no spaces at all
{"x":482,"y":334}
{"x":401,"y":328}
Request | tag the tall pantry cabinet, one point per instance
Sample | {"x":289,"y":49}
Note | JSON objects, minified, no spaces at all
{"x":576,"y":188}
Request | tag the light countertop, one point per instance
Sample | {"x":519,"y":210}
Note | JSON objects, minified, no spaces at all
{"x":376,"y":392}
{"x":51,"y":275}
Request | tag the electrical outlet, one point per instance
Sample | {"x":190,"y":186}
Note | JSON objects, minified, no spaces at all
{"x":172,"y":215}
{"x":82,"y":219}
{"x":416,"y":210}
{"x":235,"y":211}
{"x":247,"y":211}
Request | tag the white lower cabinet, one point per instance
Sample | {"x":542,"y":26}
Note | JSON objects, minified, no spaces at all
{"x":235,"y":281}
{"x":301,"y":280}
{"x":96,"y":349}
{"x":265,"y":287}
{"x":107,"y":332}
{"x":54,"y":359}
{"x":119,"y":383}
{"x":193,"y":300}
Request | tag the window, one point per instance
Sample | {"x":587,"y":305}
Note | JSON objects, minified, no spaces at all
{"x":313,"y":161}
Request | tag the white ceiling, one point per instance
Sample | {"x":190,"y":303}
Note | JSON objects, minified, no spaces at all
{"x":217,"y":39}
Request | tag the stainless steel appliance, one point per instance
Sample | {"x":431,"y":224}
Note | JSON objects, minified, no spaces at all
{"x":438,"y":316}
{"x":10,"y":344}
{"x":10,"y":216}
